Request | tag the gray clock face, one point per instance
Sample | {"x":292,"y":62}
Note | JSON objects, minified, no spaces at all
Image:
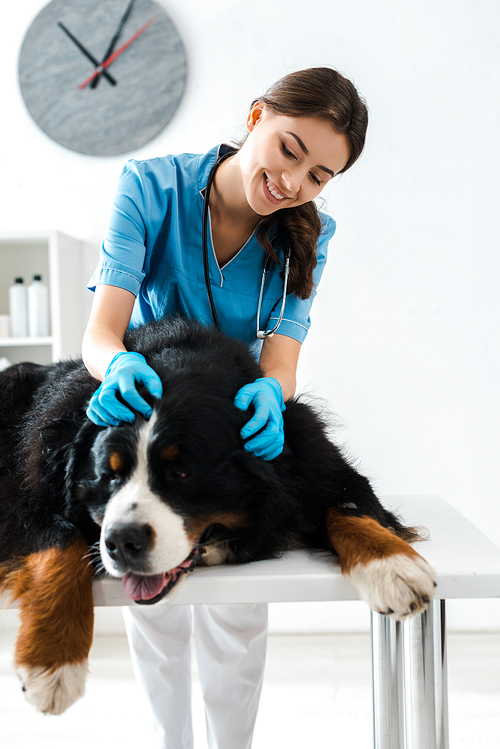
{"x":102,"y":118}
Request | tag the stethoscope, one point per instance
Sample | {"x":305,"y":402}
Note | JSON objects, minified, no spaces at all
{"x":281,"y":237}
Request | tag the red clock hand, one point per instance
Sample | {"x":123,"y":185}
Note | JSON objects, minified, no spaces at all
{"x":118,"y":52}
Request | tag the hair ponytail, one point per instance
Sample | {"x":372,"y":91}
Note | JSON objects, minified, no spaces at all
{"x":303,"y":226}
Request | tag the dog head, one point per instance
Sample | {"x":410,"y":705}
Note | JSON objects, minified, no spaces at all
{"x":167,"y":489}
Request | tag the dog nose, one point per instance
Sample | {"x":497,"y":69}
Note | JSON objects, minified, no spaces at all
{"x":129,"y":543}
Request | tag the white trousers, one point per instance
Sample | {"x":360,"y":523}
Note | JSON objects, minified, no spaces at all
{"x":231,"y":650}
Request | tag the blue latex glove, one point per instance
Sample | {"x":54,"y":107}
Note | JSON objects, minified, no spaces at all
{"x":266,"y":396}
{"x":127,"y":369}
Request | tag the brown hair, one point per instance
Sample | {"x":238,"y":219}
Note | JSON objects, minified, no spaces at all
{"x":325,"y":94}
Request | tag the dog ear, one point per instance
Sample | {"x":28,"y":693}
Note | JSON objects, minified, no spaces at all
{"x":79,"y":476}
{"x":80,"y":464}
{"x":263,"y":494}
{"x":257,"y":467}
{"x":263,"y":482}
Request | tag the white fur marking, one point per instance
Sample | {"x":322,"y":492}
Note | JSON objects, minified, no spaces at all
{"x":136,"y":503}
{"x":395,"y":583}
{"x":53,"y":691}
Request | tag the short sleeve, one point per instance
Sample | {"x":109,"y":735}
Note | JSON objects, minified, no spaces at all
{"x":123,"y":251}
{"x":296,"y":317}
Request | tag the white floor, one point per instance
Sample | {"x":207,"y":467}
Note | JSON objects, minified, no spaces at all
{"x":316,"y":693}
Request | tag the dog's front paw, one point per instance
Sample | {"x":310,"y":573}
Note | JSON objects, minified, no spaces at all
{"x":399,"y":585}
{"x":53,"y":690}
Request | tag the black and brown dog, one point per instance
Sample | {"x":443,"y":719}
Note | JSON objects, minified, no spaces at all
{"x":147,"y":501}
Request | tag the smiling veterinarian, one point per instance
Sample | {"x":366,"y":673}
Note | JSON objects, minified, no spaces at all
{"x":307,"y":128}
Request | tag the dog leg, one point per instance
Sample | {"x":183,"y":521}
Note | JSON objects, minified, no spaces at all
{"x":54,"y":588}
{"x":385,"y":570}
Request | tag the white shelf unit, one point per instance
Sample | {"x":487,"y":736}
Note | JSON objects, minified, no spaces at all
{"x":57,"y":258}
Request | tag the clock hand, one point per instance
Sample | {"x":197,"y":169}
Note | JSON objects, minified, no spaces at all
{"x":114,"y":40}
{"x":86,"y":52}
{"x":118,"y":52}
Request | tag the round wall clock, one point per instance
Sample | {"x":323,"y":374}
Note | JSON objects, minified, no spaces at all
{"x":102,"y":77}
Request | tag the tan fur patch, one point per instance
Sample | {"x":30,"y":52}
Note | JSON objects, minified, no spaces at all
{"x":362,"y":540}
{"x":8,"y":571}
{"x":54,"y":588}
{"x":116,"y":462}
{"x":195,"y":526}
{"x":169,"y":453}
{"x":151,"y":538}
{"x":217,"y":554}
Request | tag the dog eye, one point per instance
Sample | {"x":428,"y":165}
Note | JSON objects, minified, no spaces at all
{"x":176,"y":473}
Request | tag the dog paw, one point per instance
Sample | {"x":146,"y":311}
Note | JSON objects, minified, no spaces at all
{"x":399,"y":586}
{"x":52,"y":691}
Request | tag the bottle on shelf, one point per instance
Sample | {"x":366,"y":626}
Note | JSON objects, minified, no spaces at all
{"x":18,"y":308}
{"x":38,"y":308}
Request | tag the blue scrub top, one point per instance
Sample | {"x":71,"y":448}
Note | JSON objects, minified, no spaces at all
{"x":153,"y":248}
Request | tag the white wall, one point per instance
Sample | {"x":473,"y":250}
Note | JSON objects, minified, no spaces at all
{"x":404,"y":344}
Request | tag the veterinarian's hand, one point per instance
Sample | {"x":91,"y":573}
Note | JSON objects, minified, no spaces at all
{"x":266,"y":397}
{"x":126,"y":370}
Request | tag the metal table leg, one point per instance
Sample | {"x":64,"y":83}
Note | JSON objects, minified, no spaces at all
{"x":425,"y":679}
{"x":410,"y":688}
{"x":387,"y":675}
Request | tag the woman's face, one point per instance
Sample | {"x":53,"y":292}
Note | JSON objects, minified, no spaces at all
{"x":286,"y":161}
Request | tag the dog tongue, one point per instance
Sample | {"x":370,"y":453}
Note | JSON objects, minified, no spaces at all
{"x":143,"y":587}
